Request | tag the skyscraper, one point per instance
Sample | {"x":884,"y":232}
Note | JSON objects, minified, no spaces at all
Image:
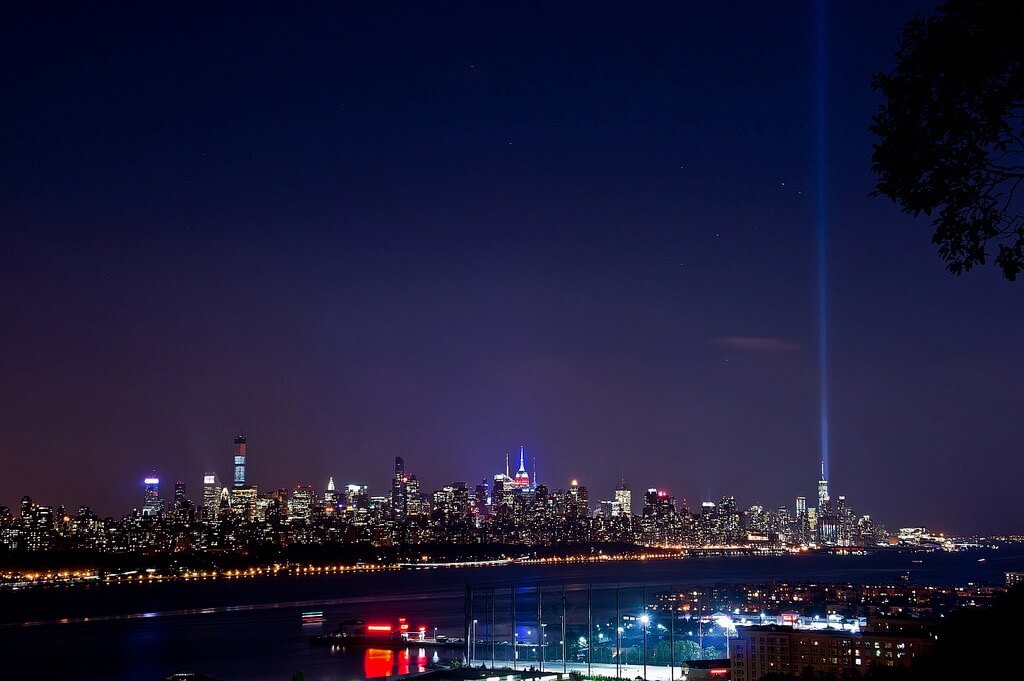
{"x":152,"y":504}
{"x":625,"y":498}
{"x":330,"y":496}
{"x":211,"y":495}
{"x":179,"y":494}
{"x":240,"y":461}
{"x":522,"y":479}
{"x":357,"y":497}
{"x":822,"y":491}
{"x":399,"y":507}
{"x":301,"y":504}
{"x":414,"y":504}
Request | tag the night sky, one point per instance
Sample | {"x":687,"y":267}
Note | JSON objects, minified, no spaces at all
{"x":442,"y":231}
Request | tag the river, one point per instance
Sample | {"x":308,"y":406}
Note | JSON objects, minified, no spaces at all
{"x":251,"y":629}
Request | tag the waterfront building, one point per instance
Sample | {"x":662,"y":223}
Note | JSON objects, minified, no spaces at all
{"x":37,"y":526}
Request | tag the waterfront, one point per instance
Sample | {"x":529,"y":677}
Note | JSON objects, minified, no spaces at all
{"x":251,"y":629}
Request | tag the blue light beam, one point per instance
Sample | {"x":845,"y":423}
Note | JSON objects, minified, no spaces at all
{"x":821,"y":158}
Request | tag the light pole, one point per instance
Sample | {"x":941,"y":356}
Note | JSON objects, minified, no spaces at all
{"x":474,"y":642}
{"x":515,"y":632}
{"x":618,"y":636}
{"x":645,"y":619}
{"x":435,"y":634}
{"x":672,"y":645}
{"x":543,"y":643}
{"x":564,"y":662}
{"x":618,"y":652}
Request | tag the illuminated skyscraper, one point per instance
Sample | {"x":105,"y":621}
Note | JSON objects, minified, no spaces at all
{"x":301,"y":504}
{"x":211,"y":495}
{"x":179,"y":494}
{"x":243,"y":501}
{"x":522,"y":479}
{"x":399,"y":505}
{"x":240,"y":461}
{"x":482,"y":500}
{"x":578,"y":505}
{"x":803,"y":522}
{"x":625,"y":499}
{"x":357,"y":497}
{"x":330,"y":496}
{"x":822,"y":491}
{"x":503,"y":491}
{"x":152,"y":504}
{"x":414,"y":504}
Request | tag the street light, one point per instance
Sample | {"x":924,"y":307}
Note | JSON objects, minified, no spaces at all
{"x":645,"y":619}
{"x":473,"y":640}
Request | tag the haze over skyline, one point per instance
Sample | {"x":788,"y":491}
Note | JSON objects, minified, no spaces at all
{"x":363,"y":232}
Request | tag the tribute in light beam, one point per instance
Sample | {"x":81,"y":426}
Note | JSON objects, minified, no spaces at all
{"x":822,"y":274}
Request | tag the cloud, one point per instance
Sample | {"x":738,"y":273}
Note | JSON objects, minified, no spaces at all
{"x":755,"y":343}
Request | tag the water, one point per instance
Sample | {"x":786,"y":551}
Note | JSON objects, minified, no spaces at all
{"x":251,"y":628}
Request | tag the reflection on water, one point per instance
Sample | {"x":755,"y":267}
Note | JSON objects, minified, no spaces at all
{"x":379,"y":662}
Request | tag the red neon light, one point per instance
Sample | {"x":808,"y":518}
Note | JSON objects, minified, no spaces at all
{"x":719,"y":672}
{"x":422,"y":629}
{"x":403,"y":627}
{"x":378,"y":627}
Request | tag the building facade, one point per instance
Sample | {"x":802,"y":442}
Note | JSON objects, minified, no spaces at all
{"x":777,"y":649}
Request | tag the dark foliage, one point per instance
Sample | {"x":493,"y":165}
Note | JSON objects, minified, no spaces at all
{"x":950,"y":142}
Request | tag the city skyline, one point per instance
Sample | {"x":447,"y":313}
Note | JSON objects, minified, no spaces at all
{"x":364,"y":232}
{"x":500,"y":510}
{"x":213,"y":493}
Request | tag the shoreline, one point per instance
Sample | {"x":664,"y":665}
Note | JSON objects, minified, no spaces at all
{"x":13,"y":580}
